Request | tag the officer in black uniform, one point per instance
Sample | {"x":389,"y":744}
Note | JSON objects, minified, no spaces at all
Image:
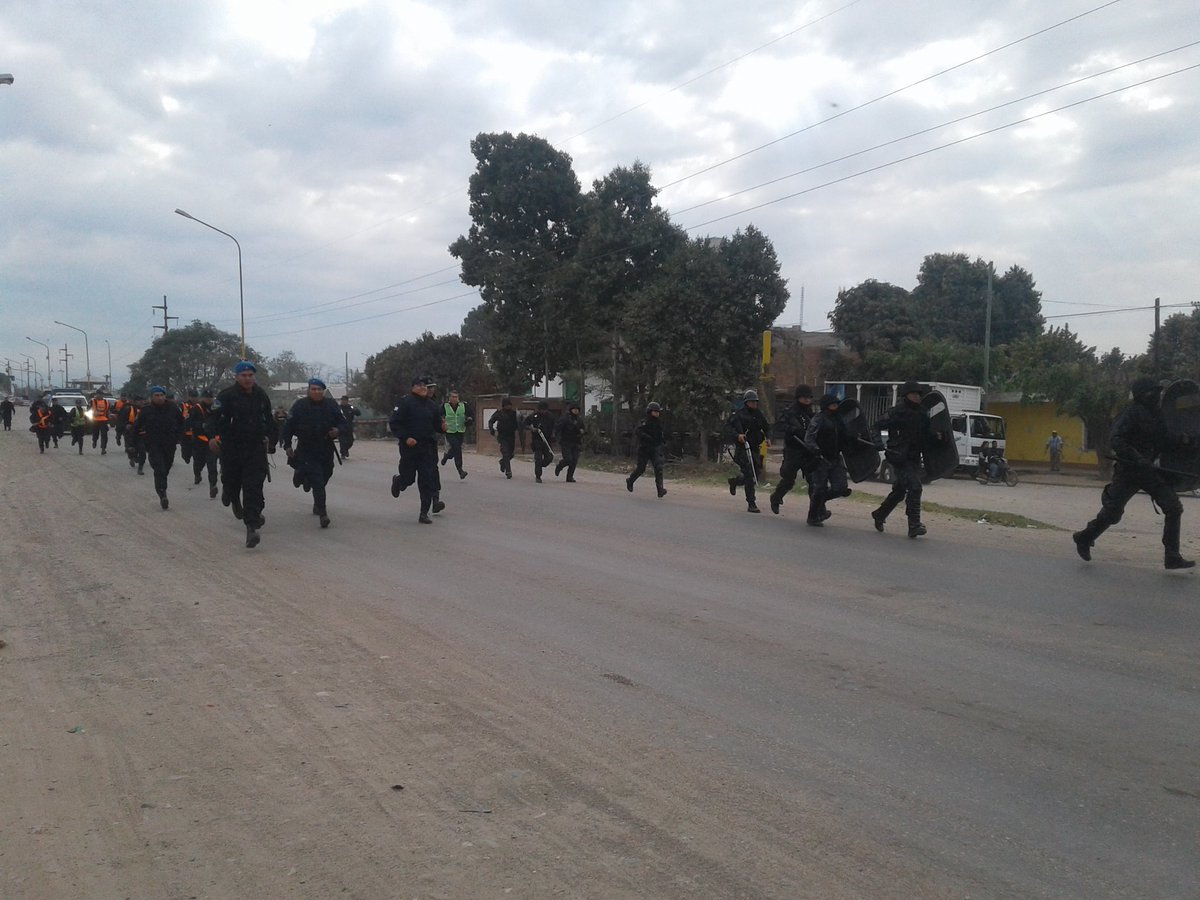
{"x":349,"y":413}
{"x":908,"y":434}
{"x":825,"y":438}
{"x":650,"y":449}
{"x":315,"y":421}
{"x":568,"y":431}
{"x":503,"y":426}
{"x":160,"y":428}
{"x":749,"y":427}
{"x":1138,"y":436}
{"x":202,"y":458}
{"x":541,"y":428}
{"x":796,"y":456}
{"x":243,"y":432}
{"x":416,"y":424}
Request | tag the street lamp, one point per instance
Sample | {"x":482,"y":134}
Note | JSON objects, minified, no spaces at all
{"x":47,"y":359}
{"x":241,"y":291}
{"x":107,"y":344}
{"x":87,"y":357}
{"x":30,"y":362}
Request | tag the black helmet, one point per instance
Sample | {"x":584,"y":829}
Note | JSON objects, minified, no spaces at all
{"x":804,"y":390}
{"x":828,"y":400}
{"x":653,"y":406}
{"x":750,"y":397}
{"x":911,"y":387}
{"x":1144,"y":387}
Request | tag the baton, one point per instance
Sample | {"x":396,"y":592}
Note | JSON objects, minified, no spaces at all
{"x":1154,"y":468}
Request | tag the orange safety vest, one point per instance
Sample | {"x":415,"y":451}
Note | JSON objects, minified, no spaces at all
{"x":186,"y":408}
{"x":43,"y":421}
{"x":100,"y":410}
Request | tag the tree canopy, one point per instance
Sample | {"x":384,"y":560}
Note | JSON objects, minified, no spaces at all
{"x":197,"y":356}
{"x":454,"y":362}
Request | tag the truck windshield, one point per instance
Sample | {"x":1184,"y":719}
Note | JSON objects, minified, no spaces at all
{"x":990,"y":427}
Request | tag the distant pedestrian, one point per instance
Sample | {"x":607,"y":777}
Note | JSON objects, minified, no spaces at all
{"x":749,"y":428}
{"x":540,"y":425}
{"x":203,"y":460}
{"x":1054,"y":446}
{"x":458,"y":418}
{"x":503,"y":426}
{"x":416,"y":424}
{"x":101,"y":412}
{"x":349,"y":413}
{"x":79,"y":424}
{"x":160,"y":428}
{"x":568,"y":431}
{"x":650,"y":449}
{"x":7,"y":407}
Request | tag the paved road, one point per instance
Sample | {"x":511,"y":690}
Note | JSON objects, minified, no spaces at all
{"x":706,"y":703}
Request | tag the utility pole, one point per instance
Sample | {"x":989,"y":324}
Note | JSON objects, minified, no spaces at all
{"x":166,"y":319}
{"x":347,"y":373}
{"x":66,"y":365}
{"x":1157,"y":325}
{"x":987,"y":334}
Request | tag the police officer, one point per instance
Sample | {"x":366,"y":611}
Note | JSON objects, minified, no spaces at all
{"x":1138,"y":436}
{"x":908,"y":434}
{"x":316,"y":422}
{"x":457,"y":417}
{"x":825,"y":438}
{"x":160,"y":427}
{"x":416,"y":424}
{"x":202,"y":458}
{"x":243,"y":432}
{"x":100,"y":416}
{"x":503,"y":426}
{"x":134,"y":451}
{"x":188,"y":442}
{"x":541,"y":427}
{"x":650,"y":449}
{"x":749,"y":428}
{"x":796,"y":457}
{"x":568,"y":431}
{"x":349,"y":413}
{"x":79,"y":424}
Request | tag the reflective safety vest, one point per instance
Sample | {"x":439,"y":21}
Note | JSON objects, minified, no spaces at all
{"x":43,"y":421}
{"x":100,"y":410}
{"x":456,"y":419}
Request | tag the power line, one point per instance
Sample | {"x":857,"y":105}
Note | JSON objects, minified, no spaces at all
{"x":891,"y":93}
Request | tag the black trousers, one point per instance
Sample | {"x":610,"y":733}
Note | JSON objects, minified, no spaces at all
{"x":243,"y":471}
{"x":187,"y":445}
{"x":794,"y":463}
{"x":743,"y":458}
{"x":1127,"y":481}
{"x":77,"y":436}
{"x":907,"y":487}
{"x":43,"y":436}
{"x":506,"y":452}
{"x":655,"y":457}
{"x":420,"y":464}
{"x":201,"y":460}
{"x":829,"y":481}
{"x":161,"y":457}
{"x":315,"y":465}
{"x":454,"y":445}
{"x":100,"y":433}
{"x":542,"y":455}
{"x":347,"y":441}
{"x":569,"y":460}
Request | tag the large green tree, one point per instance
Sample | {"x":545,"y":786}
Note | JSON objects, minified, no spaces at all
{"x":197,"y":356}
{"x":925,"y":360}
{"x":287,"y":367}
{"x":873,"y":316}
{"x":454,"y":362}
{"x":525,"y":206}
{"x":1178,"y":347}
{"x":950,"y":301}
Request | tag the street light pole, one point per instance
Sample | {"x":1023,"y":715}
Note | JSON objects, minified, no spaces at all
{"x":30,"y":361}
{"x":241,"y":290}
{"x":107,"y":344}
{"x":87,"y":356}
{"x":47,"y":346}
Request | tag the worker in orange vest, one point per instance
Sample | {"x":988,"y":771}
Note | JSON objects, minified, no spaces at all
{"x":101,"y":412}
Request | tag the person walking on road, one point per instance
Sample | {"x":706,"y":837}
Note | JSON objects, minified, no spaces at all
{"x":316,"y":422}
{"x":650,"y":449}
{"x":796,"y":456}
{"x":243,"y":434}
{"x":416,"y":424}
{"x":457,"y":417}
{"x":749,"y":428}
{"x":503,"y":425}
{"x":134,"y":451}
{"x":908,"y":434}
{"x":7,"y":408}
{"x":202,"y":458}
{"x":1054,"y":446}
{"x":160,"y":428}
{"x":1138,"y":436}
{"x":568,"y":431}
{"x":101,"y":412}
{"x":42,"y":419}
{"x":825,"y":439}
{"x":349,"y":413}
{"x":79,"y":424}
{"x":540,"y":425}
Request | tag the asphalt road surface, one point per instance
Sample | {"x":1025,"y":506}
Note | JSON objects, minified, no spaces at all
{"x":570,"y":691}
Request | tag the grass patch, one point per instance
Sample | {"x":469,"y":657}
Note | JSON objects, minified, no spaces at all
{"x":1003,"y":519}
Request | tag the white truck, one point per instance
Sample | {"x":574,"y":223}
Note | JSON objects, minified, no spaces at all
{"x":971,"y":426}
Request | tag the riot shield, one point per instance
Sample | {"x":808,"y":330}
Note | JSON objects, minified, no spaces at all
{"x":941,"y":456}
{"x":859,"y":455}
{"x":1181,"y":411}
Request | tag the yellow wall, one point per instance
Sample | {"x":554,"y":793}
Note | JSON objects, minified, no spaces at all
{"x":1029,"y":427}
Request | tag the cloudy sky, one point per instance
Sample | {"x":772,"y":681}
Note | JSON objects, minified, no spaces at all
{"x":331,"y":138}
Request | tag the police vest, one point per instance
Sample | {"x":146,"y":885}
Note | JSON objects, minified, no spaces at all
{"x":100,"y":410}
{"x":456,"y":419}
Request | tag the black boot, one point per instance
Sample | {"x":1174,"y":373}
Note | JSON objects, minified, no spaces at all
{"x":916,"y":529}
{"x":324,"y":518}
{"x":1083,"y":545}
{"x":252,"y":537}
